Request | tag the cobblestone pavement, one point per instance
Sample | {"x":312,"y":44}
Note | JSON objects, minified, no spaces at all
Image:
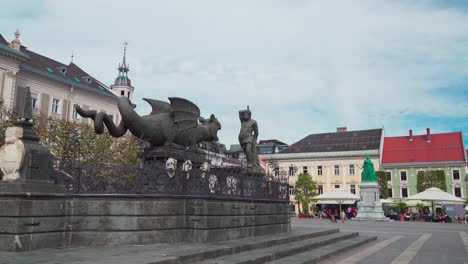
{"x":401,"y":242}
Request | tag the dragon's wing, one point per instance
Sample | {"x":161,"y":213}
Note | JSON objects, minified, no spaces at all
{"x":158,"y":106}
{"x":185,"y":113}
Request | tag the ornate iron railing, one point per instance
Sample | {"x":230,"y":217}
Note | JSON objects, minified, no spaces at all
{"x":166,"y":178}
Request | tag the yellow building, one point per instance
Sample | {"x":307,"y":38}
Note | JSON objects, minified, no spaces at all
{"x":334,"y":160}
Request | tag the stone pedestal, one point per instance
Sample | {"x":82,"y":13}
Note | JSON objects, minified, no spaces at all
{"x":370,"y":208}
{"x":25,"y":163}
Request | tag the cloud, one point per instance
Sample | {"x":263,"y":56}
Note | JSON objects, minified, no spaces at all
{"x":303,"y":66}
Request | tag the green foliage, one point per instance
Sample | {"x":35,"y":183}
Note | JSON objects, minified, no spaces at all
{"x":77,"y":142}
{"x":429,"y":179}
{"x":420,"y":207}
{"x":383,"y":185}
{"x":305,"y":190}
{"x":6,"y":120}
{"x":402,"y":207}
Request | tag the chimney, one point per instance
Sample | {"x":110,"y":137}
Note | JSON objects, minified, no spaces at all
{"x":428,"y":135}
{"x":411,"y":135}
{"x":341,"y":129}
{"x":16,"y":43}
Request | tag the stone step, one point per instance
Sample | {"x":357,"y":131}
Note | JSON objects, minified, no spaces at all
{"x":321,"y":253}
{"x":230,"y":247}
{"x":264,"y":255}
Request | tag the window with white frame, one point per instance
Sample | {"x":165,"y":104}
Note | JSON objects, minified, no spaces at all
{"x":55,"y":106}
{"x":291,"y":190}
{"x":404,"y":192}
{"x":457,"y":192}
{"x":337,"y":186}
{"x":277,"y":171}
{"x":320,"y":189}
{"x":75,"y":114}
{"x":390,"y":192}
{"x":35,"y":100}
{"x":304,"y":169}
{"x":351,"y":169}
{"x":337,"y":169}
{"x":403,"y":176}
{"x":319,"y":170}
{"x":456,"y":174}
{"x":291,"y":170}
{"x":389,"y":175}
{"x":352,"y":188}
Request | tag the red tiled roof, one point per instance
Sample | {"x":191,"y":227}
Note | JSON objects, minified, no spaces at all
{"x":443,"y":147}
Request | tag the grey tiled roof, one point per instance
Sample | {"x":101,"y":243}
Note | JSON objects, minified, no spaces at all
{"x":337,"y":141}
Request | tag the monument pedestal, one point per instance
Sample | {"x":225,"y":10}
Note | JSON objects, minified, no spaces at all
{"x":26,"y":164}
{"x":370,"y":208}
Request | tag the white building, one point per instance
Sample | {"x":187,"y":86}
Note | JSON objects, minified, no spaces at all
{"x":56,"y":87}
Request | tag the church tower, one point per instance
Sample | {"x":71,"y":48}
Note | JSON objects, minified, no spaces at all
{"x":122,"y":85}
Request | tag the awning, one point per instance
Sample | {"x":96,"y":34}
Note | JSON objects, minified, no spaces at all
{"x":335,"y":202}
{"x":435,"y":194}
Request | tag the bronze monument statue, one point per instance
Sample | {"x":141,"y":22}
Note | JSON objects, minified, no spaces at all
{"x":177,"y":122}
{"x":248,"y":137}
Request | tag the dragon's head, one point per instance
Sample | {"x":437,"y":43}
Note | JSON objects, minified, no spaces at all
{"x":213,"y":126}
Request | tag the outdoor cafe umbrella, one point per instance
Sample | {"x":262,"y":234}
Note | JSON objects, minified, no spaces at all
{"x":339,"y":196}
{"x":435,"y":195}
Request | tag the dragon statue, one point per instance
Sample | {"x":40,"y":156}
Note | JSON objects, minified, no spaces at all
{"x":178,"y":122}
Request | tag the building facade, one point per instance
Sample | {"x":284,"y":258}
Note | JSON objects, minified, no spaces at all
{"x":403,"y":157}
{"x":55,"y":87}
{"x":334,"y":160}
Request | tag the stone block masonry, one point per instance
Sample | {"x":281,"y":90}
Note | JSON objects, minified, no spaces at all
{"x":34,"y":221}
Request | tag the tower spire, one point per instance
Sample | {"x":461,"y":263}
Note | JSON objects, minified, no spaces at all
{"x":125,"y":54}
{"x":122,"y":85}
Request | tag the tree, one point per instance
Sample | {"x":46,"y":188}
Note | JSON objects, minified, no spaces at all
{"x":429,"y":179}
{"x":78,"y":144}
{"x":305,"y":190}
{"x":6,"y":120}
{"x":402,"y":207}
{"x":383,"y":185}
{"x":420,"y":207}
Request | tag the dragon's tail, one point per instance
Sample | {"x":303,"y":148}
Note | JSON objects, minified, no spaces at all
{"x":101,"y":118}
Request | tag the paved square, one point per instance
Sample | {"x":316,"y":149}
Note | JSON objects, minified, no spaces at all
{"x":401,"y":242}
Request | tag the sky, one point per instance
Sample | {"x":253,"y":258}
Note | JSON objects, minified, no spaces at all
{"x":303,"y":67}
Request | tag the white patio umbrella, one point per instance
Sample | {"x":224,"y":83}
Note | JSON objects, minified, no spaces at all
{"x":339,"y":196}
{"x":387,"y":201}
{"x":435,"y":195}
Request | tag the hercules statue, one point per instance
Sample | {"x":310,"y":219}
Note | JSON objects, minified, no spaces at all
{"x":248,"y":137}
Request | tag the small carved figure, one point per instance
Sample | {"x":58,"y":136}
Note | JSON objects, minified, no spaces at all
{"x":248,"y":137}
{"x":205,"y":168}
{"x":12,"y":154}
{"x":171,"y":165}
{"x":212,"y":182}
{"x":231,"y":184}
{"x":187,"y":167}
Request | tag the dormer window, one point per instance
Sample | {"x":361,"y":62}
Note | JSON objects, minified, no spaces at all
{"x":62,"y":70}
{"x":76,"y":79}
{"x":87,"y":79}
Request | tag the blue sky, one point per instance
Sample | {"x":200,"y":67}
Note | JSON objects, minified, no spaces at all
{"x":303,"y":67}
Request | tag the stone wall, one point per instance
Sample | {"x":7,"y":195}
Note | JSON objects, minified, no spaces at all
{"x":29,"y":222}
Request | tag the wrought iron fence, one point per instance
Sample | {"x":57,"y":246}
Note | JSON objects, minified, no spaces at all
{"x":156,"y":177}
